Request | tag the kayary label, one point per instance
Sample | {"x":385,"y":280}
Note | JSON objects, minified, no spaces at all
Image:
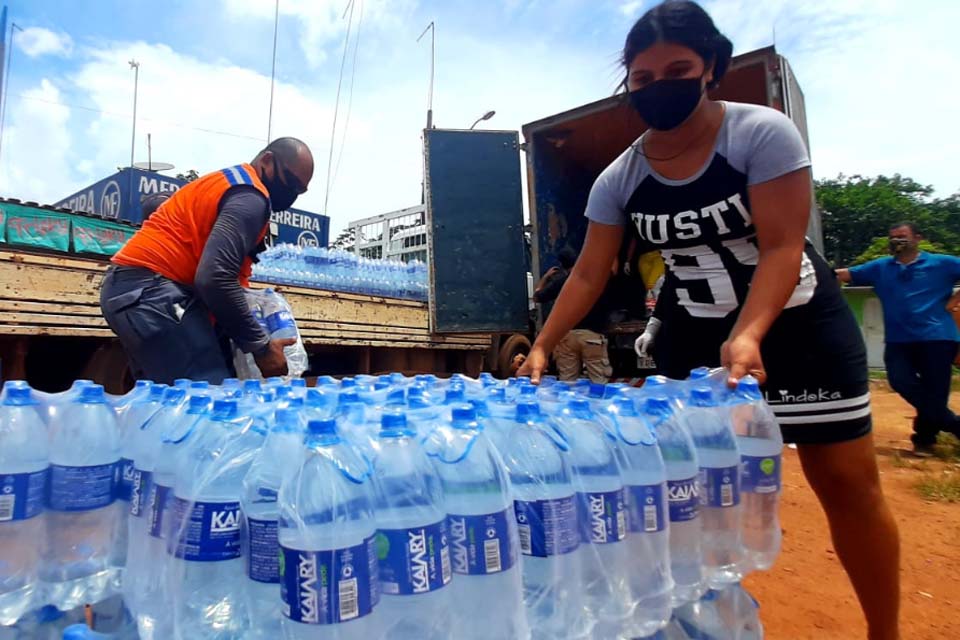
{"x":415,"y":560}
{"x":280,"y":320}
{"x":21,"y":495}
{"x":482,"y":544}
{"x":140,"y":492}
{"x":263,"y":561}
{"x":125,"y":481}
{"x":159,"y":504}
{"x":82,"y":488}
{"x":760,"y":474}
{"x":721,"y":486}
{"x":646,"y":509}
{"x":603,"y":516}
{"x":329,"y":587}
{"x":207,"y":531}
{"x":547,"y":527}
{"x":684,"y":499}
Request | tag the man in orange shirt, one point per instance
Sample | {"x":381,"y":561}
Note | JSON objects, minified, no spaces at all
{"x":175,"y":291}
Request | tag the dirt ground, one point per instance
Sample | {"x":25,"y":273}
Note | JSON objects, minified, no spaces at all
{"x":807,"y":595}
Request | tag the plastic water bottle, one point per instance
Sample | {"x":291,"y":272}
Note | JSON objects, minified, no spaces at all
{"x":502,"y":418}
{"x":761,"y":446}
{"x":484,"y":545}
{"x":603,"y":520}
{"x":207,"y":578}
{"x":145,"y":446}
{"x":24,"y":461}
{"x":645,"y":477}
{"x":709,"y":426}
{"x":683,"y":498}
{"x":154,"y":620}
{"x":82,"y":502}
{"x":412,"y":537}
{"x":545,"y":504}
{"x":278,"y":458}
{"x":329,"y":575}
{"x":280,"y":324}
{"x":701,"y":619}
{"x":423,"y":416}
{"x":740,"y":613}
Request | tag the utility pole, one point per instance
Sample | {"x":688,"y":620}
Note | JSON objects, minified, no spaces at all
{"x":136,"y":82}
{"x":14,"y":27}
{"x":432,"y":30}
{"x":273,"y":67}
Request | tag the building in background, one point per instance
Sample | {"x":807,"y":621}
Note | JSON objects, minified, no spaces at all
{"x":397,"y":235}
{"x":119,"y":197}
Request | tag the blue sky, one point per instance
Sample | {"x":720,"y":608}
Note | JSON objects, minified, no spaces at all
{"x":878,"y":79}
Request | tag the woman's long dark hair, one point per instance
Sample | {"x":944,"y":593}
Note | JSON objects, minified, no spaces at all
{"x":680,"y":22}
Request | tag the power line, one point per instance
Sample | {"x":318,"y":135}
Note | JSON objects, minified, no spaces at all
{"x":353,"y":75}
{"x":6,"y":77}
{"x":273,"y":67}
{"x":336,"y":104}
{"x":127,"y":115}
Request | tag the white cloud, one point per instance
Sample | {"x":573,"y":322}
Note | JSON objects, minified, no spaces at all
{"x":629,"y":9}
{"x":36,"y":41}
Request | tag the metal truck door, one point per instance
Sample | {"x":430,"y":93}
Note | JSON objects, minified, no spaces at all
{"x":478,"y":270}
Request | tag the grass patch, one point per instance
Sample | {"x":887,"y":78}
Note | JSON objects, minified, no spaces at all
{"x":943,"y":488}
{"x":877,"y":374}
{"x":947,"y":447}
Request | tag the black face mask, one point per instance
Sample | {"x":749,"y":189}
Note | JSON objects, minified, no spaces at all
{"x":282,"y":196}
{"x":898,"y":245}
{"x":666,"y":104}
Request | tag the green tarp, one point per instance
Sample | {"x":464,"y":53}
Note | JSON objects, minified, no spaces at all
{"x":99,"y":236}
{"x":31,"y":227}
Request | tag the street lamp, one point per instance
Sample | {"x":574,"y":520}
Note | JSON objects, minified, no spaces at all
{"x":486,"y":116}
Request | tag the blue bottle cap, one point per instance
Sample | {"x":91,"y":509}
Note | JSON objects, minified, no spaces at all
{"x":92,"y":394}
{"x":464,"y":416}
{"x":527,"y":411}
{"x":548,"y":380}
{"x":348,"y":397}
{"x":528,"y":390}
{"x":699,"y":373}
{"x":654,"y":381}
{"x":483,"y":410}
{"x":348,"y":383}
{"x":454,"y":394}
{"x":157,"y":392}
{"x":702,"y":397}
{"x":748,"y":385}
{"x":315,"y":398}
{"x":597,"y":390}
{"x":251,"y":386}
{"x":200,"y":385}
{"x":225,"y":409}
{"x":230,"y":383}
{"x":582,"y":383}
{"x":327,"y":380}
{"x":173,"y":396}
{"x":523,"y":380}
{"x":198,"y":403}
{"x":381,"y":386}
{"x":579,"y":404}
{"x":283,"y":391}
{"x":183,"y":383}
{"x":18,"y":396}
{"x":295,"y":403}
{"x":142,"y":384}
{"x":274,"y":380}
{"x":393,"y":424}
{"x":487,"y":379}
{"x":497,"y":395}
{"x":298,"y":383}
{"x":396,"y":378}
{"x":656,"y":405}
{"x":624,"y":405}
{"x":397,"y":396}
{"x":326,"y":427}
{"x":287,"y":420}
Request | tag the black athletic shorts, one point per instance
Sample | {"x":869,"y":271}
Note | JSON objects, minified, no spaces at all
{"x":815,"y":359}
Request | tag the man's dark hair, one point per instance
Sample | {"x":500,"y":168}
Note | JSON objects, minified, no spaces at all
{"x":567,"y":257}
{"x":914,"y":229}
{"x":685,"y":23}
{"x":151,"y":203}
{"x":284,"y":149}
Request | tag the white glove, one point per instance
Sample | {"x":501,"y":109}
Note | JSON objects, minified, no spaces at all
{"x":647,"y":338}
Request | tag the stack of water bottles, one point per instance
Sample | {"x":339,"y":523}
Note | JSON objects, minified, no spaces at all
{"x":387,"y":508}
{"x":340,"y":270}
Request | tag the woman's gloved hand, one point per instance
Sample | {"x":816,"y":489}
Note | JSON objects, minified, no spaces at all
{"x":647,"y":338}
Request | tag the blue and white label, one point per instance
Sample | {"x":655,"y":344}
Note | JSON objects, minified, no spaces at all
{"x":482,"y":544}
{"x":82,"y":488}
{"x":263,"y":559}
{"x":683,"y":497}
{"x":140,"y":492}
{"x":280,"y":320}
{"x":125,"y":479}
{"x":646,"y":509}
{"x":21,"y":495}
{"x":329,"y":587}
{"x":603,"y":516}
{"x":547,"y":527}
{"x":760,"y":474}
{"x":413,"y":560}
{"x":720,"y":486}
{"x":159,"y":503}
{"x":206,"y":531}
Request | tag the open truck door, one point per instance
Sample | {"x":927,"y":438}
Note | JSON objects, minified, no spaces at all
{"x":478,"y":265}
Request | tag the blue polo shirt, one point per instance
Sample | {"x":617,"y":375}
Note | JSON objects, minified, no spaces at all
{"x":914,"y":296}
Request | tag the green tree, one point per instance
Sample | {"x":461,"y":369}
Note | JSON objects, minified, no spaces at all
{"x":346,"y":240}
{"x":189,"y":176}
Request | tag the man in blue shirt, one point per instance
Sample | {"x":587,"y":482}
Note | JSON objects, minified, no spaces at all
{"x":916,"y":291}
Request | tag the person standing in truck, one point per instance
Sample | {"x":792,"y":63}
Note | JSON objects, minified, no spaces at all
{"x":584,"y":348}
{"x":916,"y":291}
{"x":175,"y":289}
{"x":724,"y":190}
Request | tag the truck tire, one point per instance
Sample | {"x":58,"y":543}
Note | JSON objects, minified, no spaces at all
{"x":511,"y":347}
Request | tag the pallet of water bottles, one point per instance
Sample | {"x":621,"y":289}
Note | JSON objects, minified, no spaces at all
{"x":387,"y":507}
